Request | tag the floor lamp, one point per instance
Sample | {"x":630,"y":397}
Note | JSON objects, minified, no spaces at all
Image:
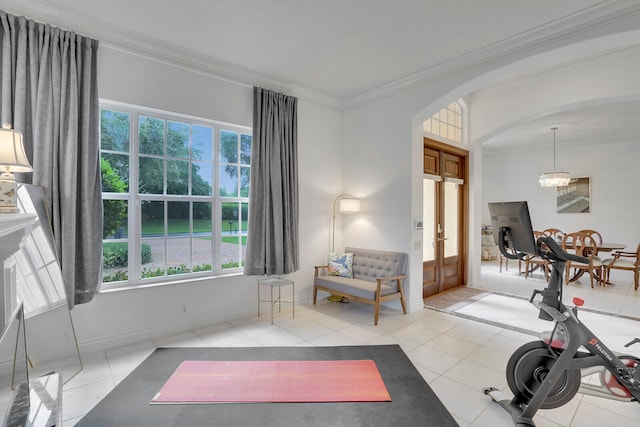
{"x":348,"y":205}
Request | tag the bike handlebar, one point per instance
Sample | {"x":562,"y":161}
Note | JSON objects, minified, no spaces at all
{"x":560,"y":253}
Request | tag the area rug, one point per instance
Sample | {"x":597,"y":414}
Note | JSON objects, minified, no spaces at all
{"x":455,"y":299}
{"x":265,"y":381}
{"x":413,"y":402}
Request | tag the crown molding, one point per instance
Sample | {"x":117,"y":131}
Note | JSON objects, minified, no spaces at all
{"x":537,"y":40}
{"x":549,"y":36}
{"x":134,"y":43}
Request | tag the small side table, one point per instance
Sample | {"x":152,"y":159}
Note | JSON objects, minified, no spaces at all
{"x":275,"y":282}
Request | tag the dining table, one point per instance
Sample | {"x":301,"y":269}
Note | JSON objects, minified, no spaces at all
{"x":602,"y":247}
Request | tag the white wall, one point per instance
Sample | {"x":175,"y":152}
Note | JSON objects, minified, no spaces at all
{"x":612,"y":167}
{"x":120,"y":317}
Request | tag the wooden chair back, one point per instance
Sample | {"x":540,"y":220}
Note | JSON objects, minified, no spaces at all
{"x":596,"y":235}
{"x":556,"y":233}
{"x":585,"y":245}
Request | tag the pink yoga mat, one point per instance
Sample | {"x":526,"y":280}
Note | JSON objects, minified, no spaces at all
{"x":210,"y":381}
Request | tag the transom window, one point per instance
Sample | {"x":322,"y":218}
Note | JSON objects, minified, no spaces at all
{"x":446,"y":123}
{"x":175,"y":193}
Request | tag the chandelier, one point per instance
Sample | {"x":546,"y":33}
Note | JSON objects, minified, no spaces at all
{"x":554,"y":179}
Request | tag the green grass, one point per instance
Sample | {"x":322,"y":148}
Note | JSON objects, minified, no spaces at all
{"x":234,"y":239}
{"x":151,"y":227}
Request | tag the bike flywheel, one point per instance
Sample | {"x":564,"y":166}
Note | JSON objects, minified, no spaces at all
{"x":527,"y":369}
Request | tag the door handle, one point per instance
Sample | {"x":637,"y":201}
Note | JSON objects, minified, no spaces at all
{"x":440,"y":239}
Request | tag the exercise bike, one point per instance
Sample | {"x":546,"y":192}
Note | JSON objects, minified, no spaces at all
{"x":547,"y":373}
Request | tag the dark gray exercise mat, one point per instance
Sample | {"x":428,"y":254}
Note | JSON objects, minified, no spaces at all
{"x":413,"y":401}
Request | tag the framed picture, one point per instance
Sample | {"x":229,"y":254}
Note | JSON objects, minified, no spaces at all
{"x":574,"y":197}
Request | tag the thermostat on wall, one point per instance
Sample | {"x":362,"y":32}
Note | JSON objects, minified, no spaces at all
{"x":418,"y":223}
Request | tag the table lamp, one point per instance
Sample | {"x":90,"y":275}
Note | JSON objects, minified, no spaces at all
{"x":12,"y":159}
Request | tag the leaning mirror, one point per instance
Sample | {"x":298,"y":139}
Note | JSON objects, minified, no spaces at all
{"x":50,"y":334}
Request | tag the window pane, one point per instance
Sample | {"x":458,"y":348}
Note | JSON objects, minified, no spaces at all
{"x":201,"y":178}
{"x":178,"y":250}
{"x":177,"y":177}
{"x":230,"y":218}
{"x":151,"y":177}
{"x":178,"y":218}
{"x":178,"y":139}
{"x":202,"y":242}
{"x":114,"y":130}
{"x":428,"y":220}
{"x":451,"y":197}
{"x":152,"y":214}
{"x":202,"y":141}
{"x":427,"y":125}
{"x":179,"y":259}
{"x":115,"y":172}
{"x":229,"y":181}
{"x":153,"y":258}
{"x":230,"y":235}
{"x":245,"y":149}
{"x":245,"y":216}
{"x":202,"y":219}
{"x":244,"y":181}
{"x":151,"y":136}
{"x":443,"y":129}
{"x":228,"y":147}
{"x":115,"y":263}
{"x":114,"y":225}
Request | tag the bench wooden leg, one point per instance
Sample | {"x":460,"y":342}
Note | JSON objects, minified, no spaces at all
{"x":376,"y":312}
{"x":315,"y":295}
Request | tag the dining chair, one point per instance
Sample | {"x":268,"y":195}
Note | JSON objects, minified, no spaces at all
{"x":506,"y":261}
{"x":598,"y":239}
{"x":585,"y":245}
{"x":533,"y":262}
{"x":622,"y":260}
{"x":596,"y":235}
{"x":556,"y":233}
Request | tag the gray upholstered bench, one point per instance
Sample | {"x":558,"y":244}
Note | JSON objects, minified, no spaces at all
{"x":378,"y":276}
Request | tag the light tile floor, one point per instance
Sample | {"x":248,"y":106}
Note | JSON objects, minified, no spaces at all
{"x":456,"y":355}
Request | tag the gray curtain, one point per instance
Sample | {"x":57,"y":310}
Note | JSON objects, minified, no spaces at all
{"x":272,"y":243}
{"x":49,"y":92}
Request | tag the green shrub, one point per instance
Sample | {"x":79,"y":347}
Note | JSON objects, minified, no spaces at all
{"x":147,"y":272}
{"x":145,"y":252}
{"x":118,"y":276}
{"x":117,"y":254}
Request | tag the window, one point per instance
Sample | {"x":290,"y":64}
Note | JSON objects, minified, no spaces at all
{"x":175,"y":193}
{"x":446,"y":123}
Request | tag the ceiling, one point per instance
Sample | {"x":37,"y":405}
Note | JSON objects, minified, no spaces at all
{"x":616,"y":121}
{"x":338,"y":49}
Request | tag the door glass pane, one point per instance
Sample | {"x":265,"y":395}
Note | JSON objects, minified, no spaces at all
{"x":428,"y":219}
{"x":451,"y":219}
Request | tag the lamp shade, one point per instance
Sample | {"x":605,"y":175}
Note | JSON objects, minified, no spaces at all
{"x":12,"y":155}
{"x":349,"y":205}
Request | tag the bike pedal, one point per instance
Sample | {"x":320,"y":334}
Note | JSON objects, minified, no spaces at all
{"x":633,"y":341}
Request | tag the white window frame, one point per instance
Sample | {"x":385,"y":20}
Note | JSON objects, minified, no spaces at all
{"x":134,"y":199}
